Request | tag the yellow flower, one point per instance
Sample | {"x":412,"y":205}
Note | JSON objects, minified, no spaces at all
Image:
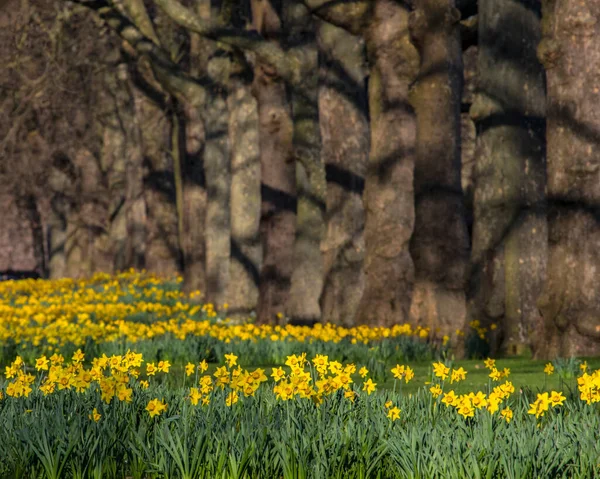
{"x":155,"y":407}
{"x":495,"y":375}
{"x":369,"y":386}
{"x":549,"y":369}
{"x":409,"y":373}
{"x":48,"y":388}
{"x":164,"y":366}
{"x":203,"y":366}
{"x":231,"y":399}
{"x":231,"y":359}
{"x":557,"y":398}
{"x":78,"y":356}
{"x":583,"y":366}
{"x":389,"y":404}
{"x":95,"y":416}
{"x":41,"y":364}
{"x":189,"y":369}
{"x":57,"y":359}
{"x":435,"y":390}
{"x":144,"y":384}
{"x":458,"y":375}
{"x":125,"y":394}
{"x":363,"y":372}
{"x":445,"y":340}
{"x":350,"y":395}
{"x":507,"y":414}
{"x":540,"y":406}
{"x":441,"y":370}
{"x":450,"y":398}
{"x":493,"y":403}
{"x":398,"y":371}
{"x":466,"y":410}
{"x":277,"y":374}
{"x":394,"y":413}
{"x":478,"y":400}
{"x":490,"y":363}
{"x":195,"y":396}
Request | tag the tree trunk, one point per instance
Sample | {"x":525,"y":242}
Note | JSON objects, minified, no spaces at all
{"x":134,"y":197}
{"x":342,"y":94}
{"x":509,"y":231}
{"x":122,"y":162}
{"x":57,"y":235}
{"x":162,"y":244}
{"x":29,"y":207}
{"x":570,"y":51}
{"x":440,"y":242}
{"x":278,"y":177}
{"x":388,"y":195}
{"x":193,"y":199}
{"x":246,"y":254}
{"x":468,"y":131}
{"x":307,"y":279}
{"x":217,"y":169}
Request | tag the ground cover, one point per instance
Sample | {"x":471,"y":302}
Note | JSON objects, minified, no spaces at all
{"x":111,"y":377}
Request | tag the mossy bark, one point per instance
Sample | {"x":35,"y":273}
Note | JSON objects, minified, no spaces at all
{"x":246,"y":253}
{"x":162,"y":254}
{"x":307,"y":278}
{"x":278,"y":179}
{"x":440,"y":242}
{"x":509,"y":230}
{"x":388,"y":196}
{"x":121,"y":164}
{"x":342,"y":94}
{"x":570,"y":52}
{"x":213,"y":65}
{"x":217,"y":169}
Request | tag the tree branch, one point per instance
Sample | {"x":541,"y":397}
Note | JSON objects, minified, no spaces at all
{"x":267,"y":52}
{"x":351,"y":15}
{"x":170,"y":75}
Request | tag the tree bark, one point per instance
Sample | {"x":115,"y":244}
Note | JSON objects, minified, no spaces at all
{"x":388,"y":195}
{"x":440,"y":242}
{"x":56,"y":237}
{"x":29,"y":207}
{"x":122,"y":162}
{"x":570,"y":52}
{"x":278,"y":177}
{"x":162,"y":243}
{"x":509,"y":231}
{"x":217,"y":169}
{"x":342,"y":94}
{"x":246,"y":254}
{"x":307,"y":278}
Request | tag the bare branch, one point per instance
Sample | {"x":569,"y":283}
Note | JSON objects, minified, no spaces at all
{"x":266,"y":52}
{"x":351,"y":15}
{"x":171,"y":76}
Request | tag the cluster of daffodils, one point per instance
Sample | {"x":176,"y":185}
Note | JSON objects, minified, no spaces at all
{"x":544,"y":401}
{"x":318,"y":378}
{"x":589,"y":387}
{"x":467,"y":404}
{"x":119,"y":377}
{"x":104,"y":308}
{"x":116,"y":378}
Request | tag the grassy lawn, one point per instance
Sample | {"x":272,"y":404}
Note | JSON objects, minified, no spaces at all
{"x":524,"y":374}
